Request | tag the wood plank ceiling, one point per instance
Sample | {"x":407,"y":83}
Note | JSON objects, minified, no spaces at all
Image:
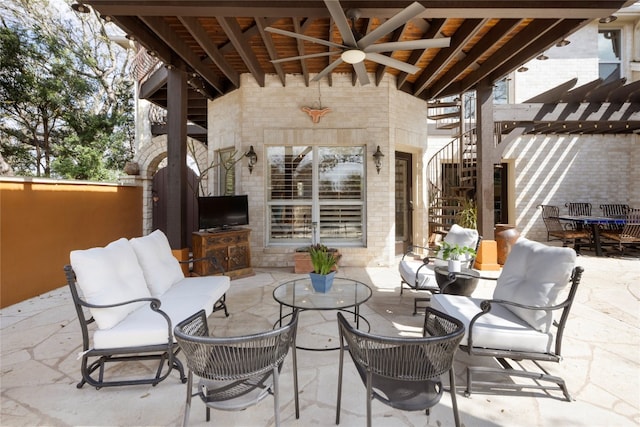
{"x":217,"y":41}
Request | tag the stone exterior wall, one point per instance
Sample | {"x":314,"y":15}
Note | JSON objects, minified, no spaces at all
{"x":368,"y":115}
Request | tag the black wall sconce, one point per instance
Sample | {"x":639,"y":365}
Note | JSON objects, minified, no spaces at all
{"x":253,"y":158}
{"x":377,"y":159}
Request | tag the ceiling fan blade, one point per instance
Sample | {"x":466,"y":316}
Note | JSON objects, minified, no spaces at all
{"x":303,"y":37}
{"x":361,"y":71}
{"x":336,"y":12}
{"x":329,"y":68}
{"x":409,"y":45}
{"x":392,"y":23}
{"x":393,"y":63}
{"x":311,"y":55}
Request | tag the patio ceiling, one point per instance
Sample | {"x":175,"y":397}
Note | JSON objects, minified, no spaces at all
{"x":217,"y":41}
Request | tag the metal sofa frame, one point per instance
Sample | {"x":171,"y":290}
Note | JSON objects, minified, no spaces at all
{"x":165,"y":354}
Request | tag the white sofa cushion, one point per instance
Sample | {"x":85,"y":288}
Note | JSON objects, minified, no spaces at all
{"x":146,"y":327}
{"x":460,"y":236}
{"x":161,"y":269}
{"x":498,"y":329}
{"x":534,"y":274}
{"x":110,"y":275}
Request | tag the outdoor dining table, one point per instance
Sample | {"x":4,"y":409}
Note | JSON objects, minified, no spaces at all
{"x":595,"y":222}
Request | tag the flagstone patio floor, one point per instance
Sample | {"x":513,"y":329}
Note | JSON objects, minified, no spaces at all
{"x":40,"y":340}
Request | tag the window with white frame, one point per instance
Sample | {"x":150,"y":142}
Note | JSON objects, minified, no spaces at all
{"x":609,"y":54}
{"x":316,"y":192}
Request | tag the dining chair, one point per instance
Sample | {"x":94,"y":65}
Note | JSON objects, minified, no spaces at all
{"x":236,"y":372}
{"x":614,"y":210}
{"x":558,"y":231}
{"x":629,"y":234}
{"x":403,"y":372}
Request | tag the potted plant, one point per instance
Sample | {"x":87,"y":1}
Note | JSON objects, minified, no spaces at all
{"x":452,"y":253}
{"x":302,"y":259}
{"x":323,"y":261}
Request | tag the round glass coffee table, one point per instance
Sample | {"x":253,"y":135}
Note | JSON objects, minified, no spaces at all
{"x":345,"y":295}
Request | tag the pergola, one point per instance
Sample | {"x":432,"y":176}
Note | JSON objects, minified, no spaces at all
{"x":207,"y":45}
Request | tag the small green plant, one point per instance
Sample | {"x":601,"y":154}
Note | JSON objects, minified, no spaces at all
{"x":322,"y":259}
{"x":455,"y":251}
{"x":467,"y":216}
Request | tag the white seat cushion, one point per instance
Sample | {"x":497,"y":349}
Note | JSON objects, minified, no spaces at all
{"x":462,"y":237}
{"x":110,"y":275}
{"x":499,"y":329}
{"x":534,"y":274}
{"x":146,"y":327}
{"x":425,"y":273}
{"x":161,"y":269}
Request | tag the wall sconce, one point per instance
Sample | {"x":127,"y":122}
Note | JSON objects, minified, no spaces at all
{"x":377,"y":159}
{"x":563,"y":43}
{"x":542,"y":57}
{"x":522,"y":69}
{"x":253,"y":158}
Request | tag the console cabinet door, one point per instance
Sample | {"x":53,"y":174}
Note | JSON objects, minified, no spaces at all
{"x":231,"y":248}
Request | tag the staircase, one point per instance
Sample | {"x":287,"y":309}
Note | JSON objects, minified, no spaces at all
{"x":451,"y":172}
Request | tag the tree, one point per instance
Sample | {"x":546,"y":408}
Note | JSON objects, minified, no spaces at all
{"x":66,"y":104}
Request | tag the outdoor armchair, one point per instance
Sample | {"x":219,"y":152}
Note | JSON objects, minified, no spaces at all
{"x":523,"y":321}
{"x":236,"y":372}
{"x":403,"y":372}
{"x":417,"y":265}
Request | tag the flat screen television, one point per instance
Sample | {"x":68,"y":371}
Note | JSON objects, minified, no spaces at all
{"x":222,"y":211}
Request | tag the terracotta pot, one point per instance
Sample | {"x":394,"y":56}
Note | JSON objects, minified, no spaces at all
{"x":506,"y":236}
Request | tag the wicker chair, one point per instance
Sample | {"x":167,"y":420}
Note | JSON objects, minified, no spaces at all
{"x":236,"y":372}
{"x":403,"y":372}
{"x":557,"y":231}
{"x":629,"y":234}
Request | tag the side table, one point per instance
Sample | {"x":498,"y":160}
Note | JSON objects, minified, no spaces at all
{"x":461,"y":286}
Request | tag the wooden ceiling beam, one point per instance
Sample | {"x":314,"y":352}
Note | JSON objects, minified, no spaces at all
{"x":433,"y":30}
{"x":523,"y":46}
{"x":395,"y":37}
{"x":164,"y":31}
{"x":237,"y":38}
{"x":200,"y":35}
{"x":496,"y":33}
{"x":267,"y":39}
{"x":300,"y":46}
{"x":459,"y":40}
{"x":584,"y":112}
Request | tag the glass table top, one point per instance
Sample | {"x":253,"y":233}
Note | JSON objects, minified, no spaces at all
{"x":344,"y":293}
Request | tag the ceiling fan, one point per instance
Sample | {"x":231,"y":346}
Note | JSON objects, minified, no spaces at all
{"x":356,"y":48}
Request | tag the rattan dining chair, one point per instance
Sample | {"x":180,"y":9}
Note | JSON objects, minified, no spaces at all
{"x":403,"y":372}
{"x":236,"y":372}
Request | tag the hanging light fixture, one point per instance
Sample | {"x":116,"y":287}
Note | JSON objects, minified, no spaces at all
{"x":253,"y":158}
{"x":377,"y":159}
{"x":80,"y":8}
{"x":609,"y":19}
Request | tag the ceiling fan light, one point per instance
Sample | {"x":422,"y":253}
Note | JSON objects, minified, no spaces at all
{"x":353,"y":56}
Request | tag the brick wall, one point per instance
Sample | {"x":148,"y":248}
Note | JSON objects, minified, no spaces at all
{"x":368,"y":115}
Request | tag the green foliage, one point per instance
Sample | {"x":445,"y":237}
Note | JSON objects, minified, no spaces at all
{"x":66,"y":104}
{"x":322,"y":259}
{"x":455,"y":251}
{"x":467,"y":217}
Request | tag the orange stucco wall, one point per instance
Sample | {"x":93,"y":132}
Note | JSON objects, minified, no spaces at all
{"x":41,"y":221}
